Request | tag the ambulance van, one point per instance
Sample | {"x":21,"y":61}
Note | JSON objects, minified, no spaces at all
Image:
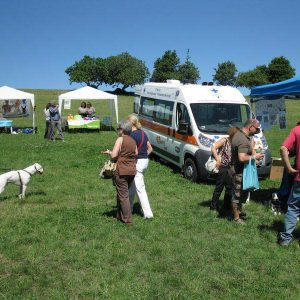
{"x":182,"y":122}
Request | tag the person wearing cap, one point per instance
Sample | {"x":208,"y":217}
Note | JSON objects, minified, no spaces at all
{"x":124,"y":152}
{"x":242,"y":152}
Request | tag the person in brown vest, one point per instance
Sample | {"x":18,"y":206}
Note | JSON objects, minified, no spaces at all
{"x":124,"y":152}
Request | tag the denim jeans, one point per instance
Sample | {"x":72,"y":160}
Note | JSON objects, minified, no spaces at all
{"x":292,"y":213}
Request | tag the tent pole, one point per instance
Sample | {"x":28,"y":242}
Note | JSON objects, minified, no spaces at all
{"x":33,"y":119}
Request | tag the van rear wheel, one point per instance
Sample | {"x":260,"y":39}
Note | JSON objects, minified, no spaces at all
{"x":190,"y":170}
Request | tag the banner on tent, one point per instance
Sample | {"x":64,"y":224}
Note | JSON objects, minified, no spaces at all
{"x":15,"y":108}
{"x":271,"y":113}
{"x":67,"y":104}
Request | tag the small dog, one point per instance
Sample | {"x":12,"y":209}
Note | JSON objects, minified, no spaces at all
{"x":20,"y":177}
{"x":275,"y":204}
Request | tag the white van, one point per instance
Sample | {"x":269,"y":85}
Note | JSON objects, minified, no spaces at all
{"x":183,"y":121}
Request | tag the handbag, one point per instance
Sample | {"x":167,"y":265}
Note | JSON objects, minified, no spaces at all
{"x":108,"y":169}
{"x":210,"y":165}
{"x":250,"y":177}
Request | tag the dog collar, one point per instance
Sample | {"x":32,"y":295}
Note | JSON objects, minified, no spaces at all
{"x":38,"y":170}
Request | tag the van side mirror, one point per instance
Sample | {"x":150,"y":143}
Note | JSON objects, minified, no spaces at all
{"x":183,"y":127}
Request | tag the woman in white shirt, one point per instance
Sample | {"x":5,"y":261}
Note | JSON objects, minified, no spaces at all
{"x":90,"y":110}
{"x":47,"y":118}
{"x":82,"y":109}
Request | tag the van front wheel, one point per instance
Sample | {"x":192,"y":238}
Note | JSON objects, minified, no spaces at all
{"x":190,"y":170}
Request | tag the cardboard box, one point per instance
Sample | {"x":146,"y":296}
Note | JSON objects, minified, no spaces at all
{"x":276,"y":169}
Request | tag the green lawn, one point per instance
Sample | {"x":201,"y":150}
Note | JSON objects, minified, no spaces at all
{"x":63,"y":243}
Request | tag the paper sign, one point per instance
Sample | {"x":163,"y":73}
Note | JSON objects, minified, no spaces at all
{"x":67,"y":104}
{"x":271,"y":113}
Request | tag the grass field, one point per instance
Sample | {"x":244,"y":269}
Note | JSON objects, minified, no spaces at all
{"x":62,"y":242}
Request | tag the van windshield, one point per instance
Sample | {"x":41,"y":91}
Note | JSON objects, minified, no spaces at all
{"x":219,"y":117}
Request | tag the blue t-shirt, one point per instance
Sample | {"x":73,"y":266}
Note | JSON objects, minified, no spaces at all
{"x":137,"y":136}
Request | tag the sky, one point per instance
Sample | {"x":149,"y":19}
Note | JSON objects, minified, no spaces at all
{"x":40,"y":39}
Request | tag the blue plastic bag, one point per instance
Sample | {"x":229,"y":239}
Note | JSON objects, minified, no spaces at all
{"x":250,"y":177}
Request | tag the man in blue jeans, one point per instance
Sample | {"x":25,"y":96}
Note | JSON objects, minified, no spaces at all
{"x":55,"y":122}
{"x":292,"y":142}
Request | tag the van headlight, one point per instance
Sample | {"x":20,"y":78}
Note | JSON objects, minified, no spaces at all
{"x":264,"y":142}
{"x":205,"y":141}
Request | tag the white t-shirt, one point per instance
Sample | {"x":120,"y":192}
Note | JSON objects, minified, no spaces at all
{"x":47,"y":114}
{"x":82,"y":110}
{"x":91,"y":111}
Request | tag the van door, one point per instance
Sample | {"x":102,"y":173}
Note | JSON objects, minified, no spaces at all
{"x":163,"y":131}
{"x":178,"y":141}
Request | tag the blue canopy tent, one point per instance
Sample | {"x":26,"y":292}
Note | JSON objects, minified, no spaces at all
{"x":290,"y":87}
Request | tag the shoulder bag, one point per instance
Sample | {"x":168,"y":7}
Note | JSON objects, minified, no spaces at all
{"x":250,"y":177}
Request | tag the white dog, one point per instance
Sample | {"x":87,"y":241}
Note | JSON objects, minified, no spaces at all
{"x":20,"y":177}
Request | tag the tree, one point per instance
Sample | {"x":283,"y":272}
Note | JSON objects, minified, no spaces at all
{"x":126,"y":70}
{"x":188,"y":72}
{"x":279,"y":69}
{"x":255,"y":77}
{"x":166,"y":67}
{"x":89,"y":70}
{"x":225,"y":73}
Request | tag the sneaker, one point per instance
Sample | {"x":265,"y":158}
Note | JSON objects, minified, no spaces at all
{"x":239,"y":221}
{"x":284,"y":243}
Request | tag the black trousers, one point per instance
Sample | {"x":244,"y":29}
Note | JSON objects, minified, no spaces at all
{"x":223,"y":180}
{"x":47,"y":130}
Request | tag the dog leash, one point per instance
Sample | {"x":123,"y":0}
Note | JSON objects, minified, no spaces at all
{"x":20,"y":178}
{"x":27,"y":172}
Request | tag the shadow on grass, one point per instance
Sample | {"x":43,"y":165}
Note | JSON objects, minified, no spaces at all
{"x":223,"y":213}
{"x":92,"y":130}
{"x":262,"y":196}
{"x":137,"y":210}
{"x":39,"y":193}
{"x":205,"y":203}
{"x":113,"y":213}
{"x":277,"y":226}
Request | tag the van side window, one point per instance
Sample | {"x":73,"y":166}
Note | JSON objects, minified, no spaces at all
{"x":182,"y":114}
{"x":136,"y":104}
{"x":163,"y":112}
{"x":147,"y":107}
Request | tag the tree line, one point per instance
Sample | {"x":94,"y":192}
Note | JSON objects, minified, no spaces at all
{"x":126,"y":71}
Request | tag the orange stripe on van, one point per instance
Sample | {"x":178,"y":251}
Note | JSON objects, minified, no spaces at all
{"x":190,"y":139}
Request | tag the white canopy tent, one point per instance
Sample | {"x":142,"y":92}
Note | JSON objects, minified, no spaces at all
{"x":8,"y":93}
{"x":89,"y":93}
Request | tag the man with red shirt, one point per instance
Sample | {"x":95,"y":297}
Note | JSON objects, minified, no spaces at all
{"x":292,"y":142}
